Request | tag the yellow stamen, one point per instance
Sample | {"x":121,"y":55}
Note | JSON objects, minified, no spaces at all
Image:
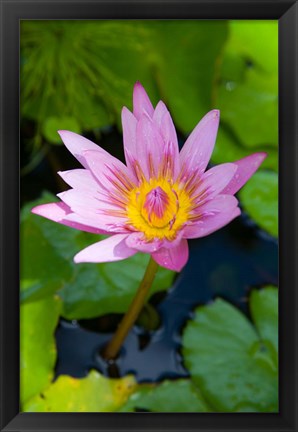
{"x":158,"y":208}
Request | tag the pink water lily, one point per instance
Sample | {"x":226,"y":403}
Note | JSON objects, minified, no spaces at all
{"x":160,"y":198}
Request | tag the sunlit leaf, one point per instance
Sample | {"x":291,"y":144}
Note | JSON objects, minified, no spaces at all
{"x":260,"y":200}
{"x":95,"y":393}
{"x":38,"y":321}
{"x":247,"y":92}
{"x":235,"y":368}
{"x":169,"y":396}
{"x":248,"y":99}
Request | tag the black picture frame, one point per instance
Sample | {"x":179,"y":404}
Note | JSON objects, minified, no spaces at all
{"x":11,"y":13}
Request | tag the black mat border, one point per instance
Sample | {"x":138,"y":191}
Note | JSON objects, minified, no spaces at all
{"x":13,"y":11}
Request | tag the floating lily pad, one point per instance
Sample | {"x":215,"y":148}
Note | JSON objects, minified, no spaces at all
{"x":87,"y":290}
{"x":259,"y":198}
{"x":185,"y":57}
{"x":234,"y":366}
{"x":170,"y":396}
{"x":264,"y":310}
{"x":95,"y":393}
{"x":229,"y":148}
{"x":246,"y":92}
{"x":43,"y":270}
{"x":38,"y":321}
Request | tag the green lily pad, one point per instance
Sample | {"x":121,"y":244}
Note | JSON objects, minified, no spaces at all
{"x":38,"y":321}
{"x":87,"y":290}
{"x":259,"y":198}
{"x":264,"y":310}
{"x":248,"y":90}
{"x":44,"y":269}
{"x":234,"y":367}
{"x":95,"y":393}
{"x":97,"y":289}
{"x":185,"y":57}
{"x":229,"y":148}
{"x":170,"y":396}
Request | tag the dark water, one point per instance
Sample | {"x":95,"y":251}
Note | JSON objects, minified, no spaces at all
{"x":227,"y":263}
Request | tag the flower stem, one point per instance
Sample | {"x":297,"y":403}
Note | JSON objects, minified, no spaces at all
{"x":133,"y":312}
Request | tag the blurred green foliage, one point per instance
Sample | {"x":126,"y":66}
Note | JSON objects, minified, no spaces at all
{"x":77,"y":75}
{"x":85,"y":70}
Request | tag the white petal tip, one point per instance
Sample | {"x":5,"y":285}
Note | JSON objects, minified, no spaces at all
{"x":76,"y":259}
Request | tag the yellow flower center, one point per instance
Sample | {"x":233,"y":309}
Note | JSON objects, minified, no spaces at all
{"x":158,"y":208}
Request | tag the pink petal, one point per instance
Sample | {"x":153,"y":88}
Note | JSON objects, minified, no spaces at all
{"x":77,"y":145}
{"x":164,"y":122}
{"x":246,"y":168}
{"x":129,"y":126}
{"x":113,"y":248}
{"x":57,"y":212}
{"x":92,"y":207}
{"x":215,"y":214}
{"x":141,"y":102}
{"x":150,"y":147}
{"x":174,"y":258}
{"x":108,"y":169}
{"x":137,"y":241}
{"x":198,"y":147}
{"x":81,"y":179}
{"x":91,"y":204}
{"x":105,"y":223}
{"x":215,"y":179}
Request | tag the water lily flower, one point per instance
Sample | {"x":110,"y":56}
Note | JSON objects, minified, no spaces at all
{"x":160,"y":198}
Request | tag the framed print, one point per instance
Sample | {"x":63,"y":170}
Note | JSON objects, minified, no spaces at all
{"x":149,"y":208}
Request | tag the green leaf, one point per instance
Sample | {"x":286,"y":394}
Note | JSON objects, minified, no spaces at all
{"x":51,"y":126}
{"x":97,"y":289}
{"x":92,"y":64}
{"x":248,"y":97}
{"x":246,"y":92}
{"x":229,"y":148}
{"x":87,"y":290}
{"x":185,"y":56}
{"x":264,"y":311}
{"x":38,"y":321}
{"x":234,"y":369}
{"x":95,"y":393}
{"x":44,"y":269}
{"x":91,"y":85}
{"x":169,"y":396}
{"x":260,"y":200}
